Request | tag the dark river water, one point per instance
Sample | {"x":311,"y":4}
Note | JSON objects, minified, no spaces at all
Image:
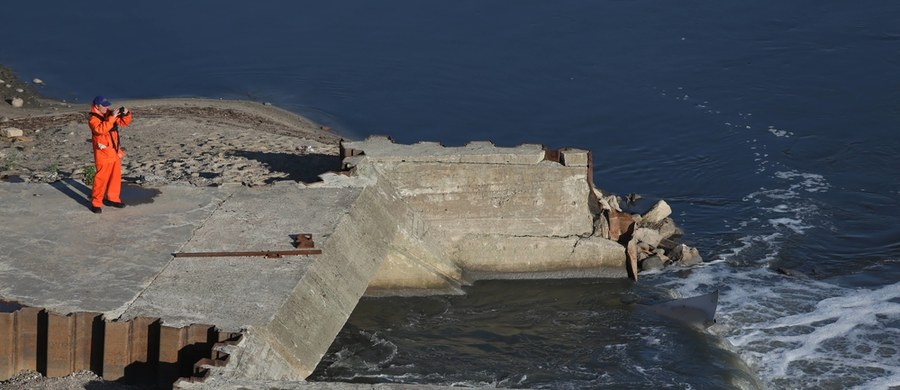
{"x":770,"y":127}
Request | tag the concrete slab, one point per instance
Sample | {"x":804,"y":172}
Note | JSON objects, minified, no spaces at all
{"x":263,"y":218}
{"x":234,"y":292}
{"x":56,"y":254}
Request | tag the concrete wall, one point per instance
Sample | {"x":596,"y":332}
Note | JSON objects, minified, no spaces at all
{"x":379,"y":228}
{"x":487,"y":211}
{"x":543,"y":199}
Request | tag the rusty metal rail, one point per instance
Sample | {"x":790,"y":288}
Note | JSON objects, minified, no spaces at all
{"x":302,"y":240}
{"x":266,"y":254}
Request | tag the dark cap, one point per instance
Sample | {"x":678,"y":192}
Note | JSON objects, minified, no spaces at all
{"x":101,"y":101}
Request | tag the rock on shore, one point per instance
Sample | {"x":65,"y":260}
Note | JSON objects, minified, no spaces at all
{"x":648,"y":238}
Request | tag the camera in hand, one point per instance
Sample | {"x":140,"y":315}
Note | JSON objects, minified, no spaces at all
{"x":121,"y":111}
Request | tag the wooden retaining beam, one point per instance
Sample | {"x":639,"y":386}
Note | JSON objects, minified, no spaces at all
{"x":26,"y":326}
{"x":139,"y":351}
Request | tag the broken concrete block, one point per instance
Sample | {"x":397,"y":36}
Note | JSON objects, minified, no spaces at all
{"x":619,"y":224}
{"x":686,"y":256}
{"x":649,"y":236}
{"x":657,"y":213}
{"x":652,"y":263}
{"x":668,"y":229}
{"x":574,"y":157}
{"x":679,"y":251}
{"x":601,"y":227}
{"x":631,"y":254}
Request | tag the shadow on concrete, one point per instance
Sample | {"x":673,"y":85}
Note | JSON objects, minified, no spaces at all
{"x":298,"y":167}
{"x":74,"y":189}
{"x":131,"y":194}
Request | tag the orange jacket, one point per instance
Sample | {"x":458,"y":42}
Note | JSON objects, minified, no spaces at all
{"x":105,"y":133}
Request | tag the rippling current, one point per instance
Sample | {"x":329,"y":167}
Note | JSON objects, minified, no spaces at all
{"x":770,"y":127}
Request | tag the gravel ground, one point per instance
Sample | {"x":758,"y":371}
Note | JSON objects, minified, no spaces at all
{"x":196,"y":141}
{"x":31,"y":380}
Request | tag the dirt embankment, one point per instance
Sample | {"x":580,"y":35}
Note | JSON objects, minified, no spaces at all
{"x":196,"y":141}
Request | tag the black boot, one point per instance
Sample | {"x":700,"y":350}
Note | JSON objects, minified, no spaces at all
{"x":117,"y":205}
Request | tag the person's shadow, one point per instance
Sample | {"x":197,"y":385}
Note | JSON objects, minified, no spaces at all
{"x":75,"y":190}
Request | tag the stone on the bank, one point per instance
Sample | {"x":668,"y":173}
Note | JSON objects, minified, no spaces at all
{"x":20,"y":90}
{"x":37,"y":81}
{"x":668,"y":229}
{"x":10,"y":132}
{"x":695,"y":257}
{"x":657,"y":213}
{"x":631,"y":254}
{"x":601,"y":227}
{"x":686,"y":256}
{"x":678,"y":252}
{"x":643,"y":246}
{"x":652,"y":263}
{"x":612,"y":202}
{"x":661,"y":253}
{"x":17,"y":102}
{"x":649,"y":236}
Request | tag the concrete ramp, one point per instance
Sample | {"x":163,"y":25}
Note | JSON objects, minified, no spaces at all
{"x":235,"y":292}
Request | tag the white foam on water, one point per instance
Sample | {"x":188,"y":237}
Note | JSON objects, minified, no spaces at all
{"x":378,"y":341}
{"x":780,"y":133}
{"x":797,"y":332}
{"x":848,"y":339}
{"x":796,"y":225}
{"x":809,"y":182}
{"x":794,"y":332}
{"x":803,"y":333}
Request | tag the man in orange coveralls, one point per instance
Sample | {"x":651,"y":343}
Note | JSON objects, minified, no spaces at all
{"x":105,"y":124}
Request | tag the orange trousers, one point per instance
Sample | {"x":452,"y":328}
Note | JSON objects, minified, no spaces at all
{"x":108,"y":180}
